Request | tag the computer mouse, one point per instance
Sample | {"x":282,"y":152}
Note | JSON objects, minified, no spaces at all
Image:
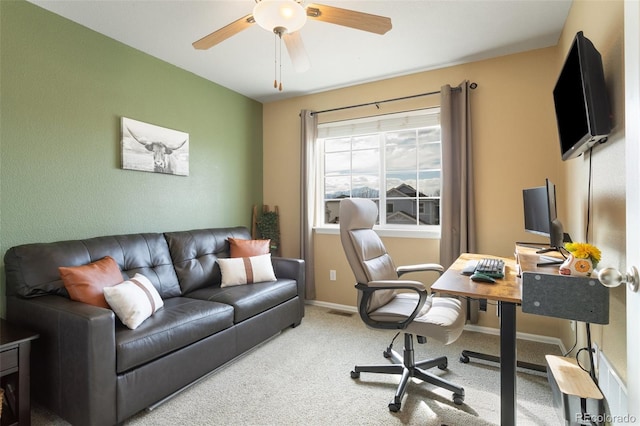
{"x":482,"y":278}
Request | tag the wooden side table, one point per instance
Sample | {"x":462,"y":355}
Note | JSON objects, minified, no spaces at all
{"x":579,"y":399}
{"x":15,"y":352}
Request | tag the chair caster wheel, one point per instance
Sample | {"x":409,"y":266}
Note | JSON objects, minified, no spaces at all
{"x":443,"y":366}
{"x":355,"y":375}
{"x":394,"y":407}
{"x":464,"y":359}
{"x":458,"y":399}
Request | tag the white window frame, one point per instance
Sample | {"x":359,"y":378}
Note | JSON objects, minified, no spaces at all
{"x":391,"y":122}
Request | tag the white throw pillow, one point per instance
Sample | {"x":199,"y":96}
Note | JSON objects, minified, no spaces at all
{"x":133,"y":300}
{"x":246,"y":270}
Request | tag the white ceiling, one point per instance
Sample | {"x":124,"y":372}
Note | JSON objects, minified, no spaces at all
{"x":426,"y":34}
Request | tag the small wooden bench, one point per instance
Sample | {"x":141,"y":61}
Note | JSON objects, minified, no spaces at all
{"x":573,"y":381}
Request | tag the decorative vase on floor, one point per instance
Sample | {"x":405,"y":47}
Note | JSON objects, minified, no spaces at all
{"x":577,"y":267}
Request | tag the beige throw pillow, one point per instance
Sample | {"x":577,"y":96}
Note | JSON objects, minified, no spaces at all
{"x":134,"y":300}
{"x":246,"y":270}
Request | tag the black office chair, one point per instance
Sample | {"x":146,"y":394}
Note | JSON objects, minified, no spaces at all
{"x":381,"y":305}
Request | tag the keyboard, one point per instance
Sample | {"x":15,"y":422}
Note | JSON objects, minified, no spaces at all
{"x":495,"y":268}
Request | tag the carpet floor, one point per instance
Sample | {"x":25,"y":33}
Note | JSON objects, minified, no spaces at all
{"x":302,"y":377}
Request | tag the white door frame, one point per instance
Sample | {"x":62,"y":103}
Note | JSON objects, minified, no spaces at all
{"x":632,"y":153}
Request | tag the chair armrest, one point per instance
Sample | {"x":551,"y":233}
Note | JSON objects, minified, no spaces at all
{"x":428,"y":267}
{"x":370,"y":288}
{"x":74,"y":360}
{"x":397,"y":285}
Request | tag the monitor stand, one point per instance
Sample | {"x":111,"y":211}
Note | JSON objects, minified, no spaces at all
{"x":558,"y":237}
{"x":547,"y":250}
{"x":548,"y":260}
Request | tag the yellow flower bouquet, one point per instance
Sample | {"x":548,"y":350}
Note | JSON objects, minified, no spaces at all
{"x":582,"y":259}
{"x":584,"y":251}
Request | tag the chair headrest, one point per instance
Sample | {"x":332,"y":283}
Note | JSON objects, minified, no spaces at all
{"x":357,"y":213}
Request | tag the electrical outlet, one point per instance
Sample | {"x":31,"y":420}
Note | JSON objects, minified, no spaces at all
{"x":573,"y":325}
{"x":596,"y":355}
{"x":332,"y":275}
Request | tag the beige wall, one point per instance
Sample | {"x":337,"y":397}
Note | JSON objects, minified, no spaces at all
{"x":602,"y":23}
{"x":515,"y":146}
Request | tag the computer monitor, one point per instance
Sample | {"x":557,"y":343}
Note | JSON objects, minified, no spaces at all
{"x":540,"y":215}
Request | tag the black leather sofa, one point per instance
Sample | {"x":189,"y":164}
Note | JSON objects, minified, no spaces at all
{"x":92,"y":370}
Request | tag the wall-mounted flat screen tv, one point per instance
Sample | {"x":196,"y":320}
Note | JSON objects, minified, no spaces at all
{"x":581,"y":100}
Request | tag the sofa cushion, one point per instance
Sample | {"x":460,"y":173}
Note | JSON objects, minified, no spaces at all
{"x":134,"y":300}
{"x":249,"y":300}
{"x":181,"y":322}
{"x":247,"y":248}
{"x":146,"y":254}
{"x":195,"y":252}
{"x":85,"y":283}
{"x":32,"y":269}
{"x":246,"y":270}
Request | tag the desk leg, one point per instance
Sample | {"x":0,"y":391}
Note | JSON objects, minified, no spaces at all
{"x":507,"y":364}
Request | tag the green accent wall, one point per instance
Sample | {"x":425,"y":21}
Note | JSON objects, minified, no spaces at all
{"x":63,"y":91}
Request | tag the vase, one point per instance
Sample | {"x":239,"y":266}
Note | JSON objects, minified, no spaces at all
{"x":577,"y":267}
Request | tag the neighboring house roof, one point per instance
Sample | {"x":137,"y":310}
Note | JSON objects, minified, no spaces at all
{"x":400,"y":216}
{"x":404,"y":190}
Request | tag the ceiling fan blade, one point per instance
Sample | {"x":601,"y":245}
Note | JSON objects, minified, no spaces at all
{"x":224,"y":33}
{"x":297,"y":52}
{"x":349,"y":18}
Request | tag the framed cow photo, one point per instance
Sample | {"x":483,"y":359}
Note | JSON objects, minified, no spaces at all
{"x":150,"y":148}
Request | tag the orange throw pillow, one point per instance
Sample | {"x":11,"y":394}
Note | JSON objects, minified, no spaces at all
{"x":85,"y":283}
{"x":248,"y":248}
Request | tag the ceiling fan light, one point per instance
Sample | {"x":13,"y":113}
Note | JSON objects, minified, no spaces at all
{"x":288,"y":14}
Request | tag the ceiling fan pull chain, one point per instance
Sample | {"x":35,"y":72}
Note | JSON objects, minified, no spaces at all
{"x":280,"y":87}
{"x":275,"y":61}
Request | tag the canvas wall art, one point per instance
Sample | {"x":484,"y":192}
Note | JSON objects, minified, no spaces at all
{"x":150,"y":148}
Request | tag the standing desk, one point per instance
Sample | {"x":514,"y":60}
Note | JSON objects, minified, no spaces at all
{"x":508,"y":293}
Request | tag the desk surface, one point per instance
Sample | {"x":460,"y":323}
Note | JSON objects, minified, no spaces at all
{"x":508,"y":289}
{"x":528,"y":258}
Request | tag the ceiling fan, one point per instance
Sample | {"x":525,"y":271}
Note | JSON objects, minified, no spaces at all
{"x":286,"y":17}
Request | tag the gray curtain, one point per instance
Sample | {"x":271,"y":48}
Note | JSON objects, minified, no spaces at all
{"x":457,"y":217}
{"x":309,"y":149}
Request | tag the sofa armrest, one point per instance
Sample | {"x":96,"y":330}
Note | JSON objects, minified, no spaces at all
{"x":293,"y":269}
{"x":74,"y":360}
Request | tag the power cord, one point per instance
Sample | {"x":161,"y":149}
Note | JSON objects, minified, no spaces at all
{"x":575,"y":343}
{"x":578,"y":360}
{"x":589,"y":196}
{"x":392,"y":340}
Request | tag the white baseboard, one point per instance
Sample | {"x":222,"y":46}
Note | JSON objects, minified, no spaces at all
{"x":335,"y":306}
{"x":469,"y":327}
{"x":614,"y":391}
{"x":519,"y":335}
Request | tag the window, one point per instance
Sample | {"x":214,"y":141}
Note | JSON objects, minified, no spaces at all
{"x":395,"y":160}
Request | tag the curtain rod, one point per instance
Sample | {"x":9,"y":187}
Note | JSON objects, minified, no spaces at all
{"x":377,"y":103}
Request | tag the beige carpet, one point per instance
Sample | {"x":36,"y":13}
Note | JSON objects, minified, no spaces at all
{"x":302,"y":377}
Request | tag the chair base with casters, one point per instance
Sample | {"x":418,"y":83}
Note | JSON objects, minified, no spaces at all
{"x":407,"y":367}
